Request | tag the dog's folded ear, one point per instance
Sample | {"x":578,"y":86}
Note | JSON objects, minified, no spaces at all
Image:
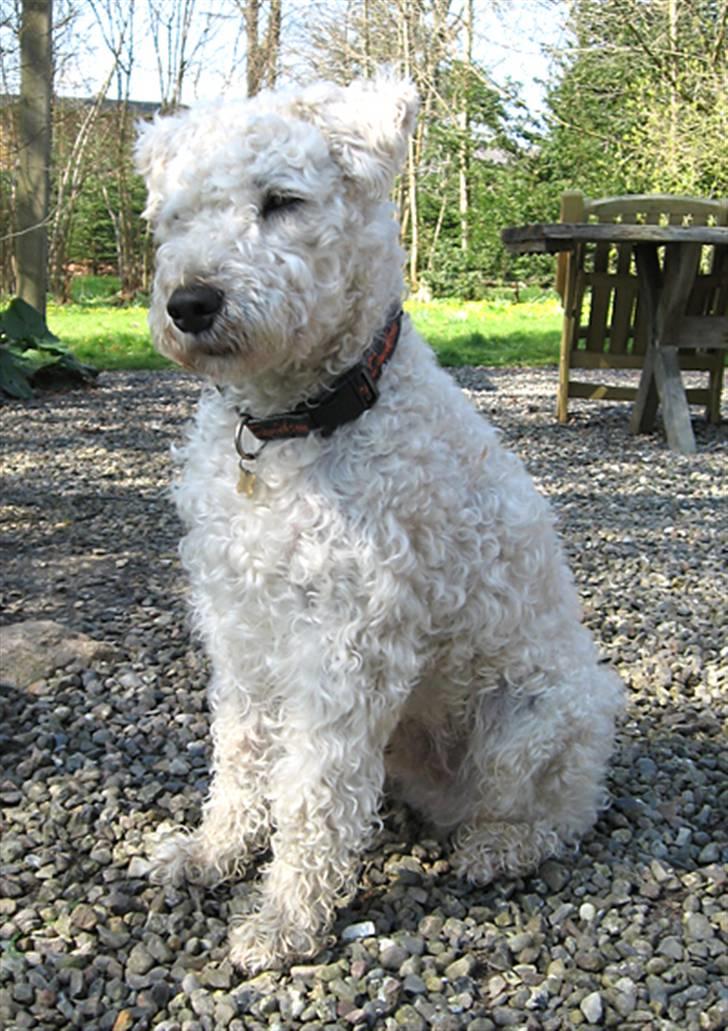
{"x":368,"y":125}
{"x":153,"y":144}
{"x":159,"y":142}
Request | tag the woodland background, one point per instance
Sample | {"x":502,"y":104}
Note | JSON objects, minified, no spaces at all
{"x":637,"y":101}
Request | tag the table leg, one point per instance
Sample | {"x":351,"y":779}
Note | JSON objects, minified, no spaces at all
{"x":666,"y":296}
{"x":645,"y":406}
{"x":675,"y":411}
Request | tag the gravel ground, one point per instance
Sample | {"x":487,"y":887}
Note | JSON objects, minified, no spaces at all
{"x":630,"y":932}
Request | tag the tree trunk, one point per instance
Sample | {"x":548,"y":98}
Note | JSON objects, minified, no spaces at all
{"x":411,"y":169}
{"x":463,"y":119}
{"x":273,"y":43}
{"x":252,"y":68}
{"x":33,"y":191}
{"x":263,"y":48}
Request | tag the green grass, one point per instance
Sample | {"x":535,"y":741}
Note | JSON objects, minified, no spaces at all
{"x":491,"y":332}
{"x":102,"y":332}
{"x":497,"y":331}
{"x":106,"y":336}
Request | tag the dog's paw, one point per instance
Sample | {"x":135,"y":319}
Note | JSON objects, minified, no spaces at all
{"x":175,"y":857}
{"x":499,"y":848}
{"x":179,"y":855}
{"x":474,"y":866}
{"x":261,"y":942}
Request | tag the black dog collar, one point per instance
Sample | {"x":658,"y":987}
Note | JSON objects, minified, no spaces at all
{"x":346,"y":399}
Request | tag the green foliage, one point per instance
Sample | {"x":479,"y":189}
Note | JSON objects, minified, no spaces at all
{"x":32,"y":356}
{"x":505,"y":186}
{"x":507,"y":190}
{"x":640,"y":103}
{"x":109,"y":193}
{"x":91,"y":240}
{"x":97,"y":224}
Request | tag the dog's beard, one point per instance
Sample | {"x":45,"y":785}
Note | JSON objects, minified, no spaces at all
{"x":234,"y":350}
{"x":193,"y":351}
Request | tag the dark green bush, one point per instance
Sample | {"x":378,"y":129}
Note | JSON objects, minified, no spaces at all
{"x":31,"y":356}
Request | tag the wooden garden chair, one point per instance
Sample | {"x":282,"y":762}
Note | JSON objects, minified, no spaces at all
{"x":603,"y":327}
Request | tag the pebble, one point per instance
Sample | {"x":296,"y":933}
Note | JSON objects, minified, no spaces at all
{"x":414,"y":985}
{"x":555,"y":874}
{"x":592,"y":1008}
{"x":364,"y":929}
{"x":140,"y":960}
{"x":587,"y":912}
{"x":698,"y":927}
{"x":624,"y":996}
{"x":462,"y":967}
{"x":391,"y":955}
{"x":670,"y":947}
{"x":631,"y":929}
{"x":505,"y":1016}
{"x":710,"y":853}
{"x":138,"y":867}
{"x":83,"y":916}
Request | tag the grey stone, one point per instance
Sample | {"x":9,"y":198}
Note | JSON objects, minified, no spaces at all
{"x":138,"y":867}
{"x":407,"y":1017}
{"x":34,"y":649}
{"x":431,"y":926}
{"x":670,"y":947}
{"x":709,"y":853}
{"x":462,"y":967}
{"x":592,"y":1008}
{"x":392,"y":956}
{"x":698,"y":927}
{"x":504,"y":1016}
{"x":202,"y":1003}
{"x":647,"y":768}
{"x":555,"y":874}
{"x":84,"y":916}
{"x":140,"y":960}
{"x":354,"y":932}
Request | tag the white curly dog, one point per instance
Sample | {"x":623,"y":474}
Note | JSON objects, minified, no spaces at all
{"x":378,"y":583}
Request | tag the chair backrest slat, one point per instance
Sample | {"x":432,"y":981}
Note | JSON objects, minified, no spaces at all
{"x":625,"y":295}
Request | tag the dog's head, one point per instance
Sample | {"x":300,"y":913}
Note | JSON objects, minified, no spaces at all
{"x":272,"y":223}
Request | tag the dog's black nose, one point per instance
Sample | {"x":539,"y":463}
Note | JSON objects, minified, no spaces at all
{"x":193,"y":308}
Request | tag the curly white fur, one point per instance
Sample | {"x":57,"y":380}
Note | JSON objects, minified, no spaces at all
{"x":392,"y":600}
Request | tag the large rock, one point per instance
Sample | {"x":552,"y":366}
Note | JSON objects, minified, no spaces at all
{"x":35,"y":649}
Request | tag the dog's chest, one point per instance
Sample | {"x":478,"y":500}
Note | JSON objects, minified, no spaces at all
{"x":286,"y":529}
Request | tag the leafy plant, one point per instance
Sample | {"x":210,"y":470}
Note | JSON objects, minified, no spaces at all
{"x":30,"y":355}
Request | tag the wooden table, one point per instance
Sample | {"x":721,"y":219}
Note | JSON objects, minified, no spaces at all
{"x":664,"y":295}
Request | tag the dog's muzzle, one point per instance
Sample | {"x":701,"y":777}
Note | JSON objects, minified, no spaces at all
{"x":193,"y":309}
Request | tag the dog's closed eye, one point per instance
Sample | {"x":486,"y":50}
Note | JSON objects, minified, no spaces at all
{"x":275,"y":202}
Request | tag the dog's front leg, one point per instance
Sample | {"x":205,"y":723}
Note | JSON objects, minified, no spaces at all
{"x":235,"y":818}
{"x":326,"y":792}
